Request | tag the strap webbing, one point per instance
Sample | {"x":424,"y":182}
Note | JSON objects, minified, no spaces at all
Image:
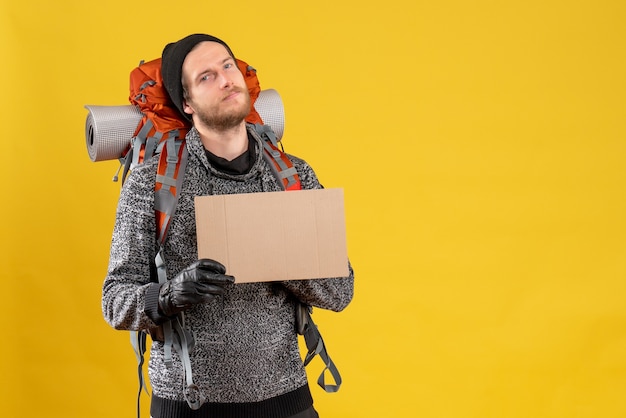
{"x":138,"y":341}
{"x":315,"y":345}
{"x":281,"y":165}
{"x":169,"y":181}
{"x":139,"y":140}
{"x":178,"y":338}
{"x":168,"y":332}
{"x":172,"y":163}
{"x":131,"y":159}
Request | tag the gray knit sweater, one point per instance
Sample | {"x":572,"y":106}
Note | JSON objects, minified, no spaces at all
{"x":246,"y":360}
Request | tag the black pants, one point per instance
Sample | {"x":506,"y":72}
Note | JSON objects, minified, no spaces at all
{"x":309,"y":413}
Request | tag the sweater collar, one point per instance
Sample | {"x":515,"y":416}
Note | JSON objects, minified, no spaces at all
{"x":195,"y":147}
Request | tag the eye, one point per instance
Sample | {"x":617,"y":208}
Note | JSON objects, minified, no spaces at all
{"x":207,"y":77}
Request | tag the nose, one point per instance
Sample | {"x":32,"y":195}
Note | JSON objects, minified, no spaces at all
{"x":225,"y":80}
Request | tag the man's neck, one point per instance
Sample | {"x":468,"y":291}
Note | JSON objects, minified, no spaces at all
{"x":228,"y":144}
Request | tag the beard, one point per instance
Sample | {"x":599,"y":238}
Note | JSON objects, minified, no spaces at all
{"x":225,"y":119}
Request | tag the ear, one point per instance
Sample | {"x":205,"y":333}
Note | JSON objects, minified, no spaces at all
{"x":187,"y":109}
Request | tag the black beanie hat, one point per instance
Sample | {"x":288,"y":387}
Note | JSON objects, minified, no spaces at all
{"x":172,"y":65}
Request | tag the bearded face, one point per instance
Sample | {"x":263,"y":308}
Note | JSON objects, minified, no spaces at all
{"x":216,"y":93}
{"x":226,"y":113}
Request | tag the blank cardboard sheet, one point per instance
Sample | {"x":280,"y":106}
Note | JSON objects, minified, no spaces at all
{"x":274,"y":236}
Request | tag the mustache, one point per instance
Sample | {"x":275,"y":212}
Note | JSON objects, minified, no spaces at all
{"x":235,"y":89}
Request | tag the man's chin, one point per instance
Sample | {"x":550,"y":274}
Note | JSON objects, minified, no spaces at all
{"x":225,"y":122}
{"x":230,"y":115}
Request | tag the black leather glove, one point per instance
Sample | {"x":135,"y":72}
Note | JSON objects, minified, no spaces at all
{"x":198,"y":283}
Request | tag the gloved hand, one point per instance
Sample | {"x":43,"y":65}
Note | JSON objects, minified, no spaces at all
{"x":198,"y":283}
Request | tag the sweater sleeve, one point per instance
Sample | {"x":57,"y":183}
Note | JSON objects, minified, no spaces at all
{"x":133,"y":247}
{"x":332,"y":293}
{"x":326,"y":293}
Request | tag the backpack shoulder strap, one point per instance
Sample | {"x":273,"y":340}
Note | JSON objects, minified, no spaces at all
{"x":169,"y":179}
{"x":282,"y":167}
{"x":173,"y":156}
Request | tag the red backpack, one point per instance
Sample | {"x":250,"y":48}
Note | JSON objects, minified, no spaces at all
{"x":160,"y":117}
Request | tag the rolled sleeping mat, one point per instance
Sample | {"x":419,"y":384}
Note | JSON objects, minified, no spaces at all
{"x":269,"y":105}
{"x":110,"y":129}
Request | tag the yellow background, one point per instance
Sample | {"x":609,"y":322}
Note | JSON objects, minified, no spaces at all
{"x":481,"y":148}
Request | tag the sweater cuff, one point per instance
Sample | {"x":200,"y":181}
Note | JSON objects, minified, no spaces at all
{"x":151,"y":304}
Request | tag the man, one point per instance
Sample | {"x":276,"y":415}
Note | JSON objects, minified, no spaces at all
{"x":246,"y":361}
